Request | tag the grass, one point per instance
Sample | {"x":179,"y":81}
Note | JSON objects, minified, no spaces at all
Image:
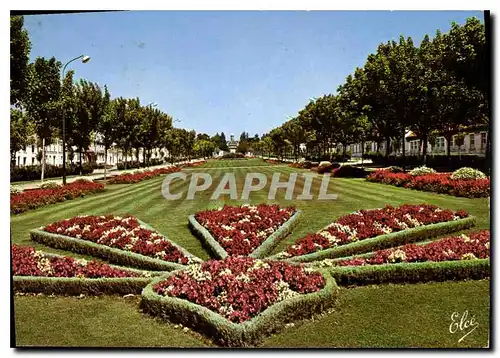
{"x":235,"y":163}
{"x":365,"y":318}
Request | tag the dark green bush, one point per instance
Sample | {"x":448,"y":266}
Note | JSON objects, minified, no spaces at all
{"x":348,"y":171}
{"x":34,"y":172}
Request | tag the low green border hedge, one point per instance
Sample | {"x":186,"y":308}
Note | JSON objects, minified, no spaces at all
{"x":386,"y":241}
{"x":265,"y":248}
{"x":87,"y":286}
{"x":411,"y":272}
{"x":227,"y":333}
{"x":108,"y":253}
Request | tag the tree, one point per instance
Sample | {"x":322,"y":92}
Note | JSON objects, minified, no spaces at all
{"x":43,"y":100}
{"x":20,"y":47}
{"x":90,"y":108}
{"x":106,"y":126}
{"x":204,"y":148}
{"x":223,"y":142}
{"x":21,"y":133}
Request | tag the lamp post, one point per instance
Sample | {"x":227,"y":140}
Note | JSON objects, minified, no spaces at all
{"x":85,"y":59}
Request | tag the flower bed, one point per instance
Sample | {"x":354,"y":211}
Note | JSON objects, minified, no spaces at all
{"x":136,"y":177}
{"x":26,"y":261}
{"x":353,"y":228}
{"x":240,"y":230}
{"x":464,"y":247}
{"x":123,"y":239}
{"x":32,"y":199}
{"x":464,"y":257}
{"x":35,"y":271}
{"x":437,"y":183}
{"x":239,"y":299}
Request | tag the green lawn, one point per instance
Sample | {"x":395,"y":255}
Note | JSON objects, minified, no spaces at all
{"x":379,"y":316}
{"x":228,"y":163}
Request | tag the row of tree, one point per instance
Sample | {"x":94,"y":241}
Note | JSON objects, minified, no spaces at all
{"x":437,"y":88}
{"x":40,"y":101}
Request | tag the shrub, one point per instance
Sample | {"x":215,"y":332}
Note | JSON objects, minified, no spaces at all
{"x":423,"y":170}
{"x":324,"y":167}
{"x":233,"y":156}
{"x":14,"y":190}
{"x":467,"y":174}
{"x":34,"y":172}
{"x":348,"y":171}
{"x":307,"y":164}
{"x":396,"y":169}
{"x":50,"y":185}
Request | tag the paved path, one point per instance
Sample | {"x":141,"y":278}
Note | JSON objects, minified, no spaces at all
{"x":98,"y":173}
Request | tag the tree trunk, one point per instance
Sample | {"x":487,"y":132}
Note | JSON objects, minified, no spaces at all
{"x":105,"y":160}
{"x":43,"y":159}
{"x":403,"y":150}
{"x":448,"y":145}
{"x":424,"y":148}
{"x":362,"y":151}
{"x":144,"y":156}
{"x":80,"y":160}
{"x":387,"y":147}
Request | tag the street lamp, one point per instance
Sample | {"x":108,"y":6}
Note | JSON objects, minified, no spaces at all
{"x":85,"y":59}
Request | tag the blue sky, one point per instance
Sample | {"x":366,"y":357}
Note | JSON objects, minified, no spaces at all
{"x":225,"y":70}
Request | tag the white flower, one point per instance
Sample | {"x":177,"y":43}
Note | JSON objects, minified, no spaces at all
{"x":465,"y":238}
{"x":327,"y":263}
{"x":397,"y":256}
{"x":308,"y":269}
{"x":225,"y":272}
{"x":468,"y":256}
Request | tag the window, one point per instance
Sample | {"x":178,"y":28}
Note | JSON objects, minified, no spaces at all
{"x":24,"y":161}
{"x":483,"y":140}
{"x":32,"y":161}
{"x":32,"y":148}
{"x":472,"y":141}
{"x":18,"y":160}
{"x":414,"y":146}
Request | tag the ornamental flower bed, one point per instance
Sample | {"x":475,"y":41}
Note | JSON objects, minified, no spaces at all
{"x":239,"y":288}
{"x":464,"y":247}
{"x":131,"y":178}
{"x":437,"y":183}
{"x":26,"y":261}
{"x":124,"y":233}
{"x":241,"y":229}
{"x":32,"y":199}
{"x":366,"y":224}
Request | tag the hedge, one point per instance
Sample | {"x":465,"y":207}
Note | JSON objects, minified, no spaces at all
{"x":388,"y":240}
{"x":411,"y":272}
{"x":108,"y":253}
{"x":272,"y":241}
{"x":34,"y":172}
{"x":227,"y":333}
{"x":261,"y":251}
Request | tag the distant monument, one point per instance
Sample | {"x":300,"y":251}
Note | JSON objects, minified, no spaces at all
{"x":232,"y":144}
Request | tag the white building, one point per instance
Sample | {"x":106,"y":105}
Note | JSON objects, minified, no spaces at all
{"x":473,"y":143}
{"x":53,"y":153}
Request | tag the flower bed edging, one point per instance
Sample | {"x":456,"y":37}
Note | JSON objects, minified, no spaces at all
{"x":411,"y":272}
{"x":261,"y":251}
{"x":272,"y":241}
{"x":386,"y":241}
{"x":227,"y":333}
{"x":108,"y":253}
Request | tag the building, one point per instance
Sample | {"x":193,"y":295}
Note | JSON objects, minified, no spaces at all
{"x":473,"y":143}
{"x":53,"y":153}
{"x":232,"y":144}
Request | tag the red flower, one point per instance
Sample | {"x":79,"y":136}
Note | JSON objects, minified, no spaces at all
{"x":474,"y":245}
{"x":137,"y":177}
{"x":437,"y":183}
{"x":31,"y":199}
{"x":241,"y":229}
{"x":26,"y":261}
{"x":124,"y":233}
{"x":370,"y":223}
{"x":239,"y":288}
